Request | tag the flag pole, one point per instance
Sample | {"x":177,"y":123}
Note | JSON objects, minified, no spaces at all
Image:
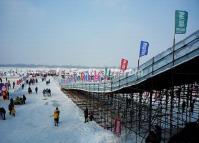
{"x":172,"y":74}
{"x":173,"y":47}
{"x":138,"y":66}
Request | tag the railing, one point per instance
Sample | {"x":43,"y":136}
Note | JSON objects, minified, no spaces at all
{"x":183,"y":51}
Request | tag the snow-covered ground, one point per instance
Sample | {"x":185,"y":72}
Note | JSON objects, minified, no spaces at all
{"x":33,"y":122}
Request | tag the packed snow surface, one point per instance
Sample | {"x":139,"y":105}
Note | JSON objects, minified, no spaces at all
{"x":34,"y":122}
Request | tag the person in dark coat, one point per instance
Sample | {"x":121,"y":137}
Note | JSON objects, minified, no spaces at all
{"x":11,"y":105}
{"x":8,"y":95}
{"x":13,"y":84}
{"x":22,"y":86}
{"x":27,"y":81}
{"x":29,"y":90}
{"x":3,"y":113}
{"x":9,"y":85}
{"x":44,"y":92}
{"x":49,"y":92}
{"x":91,"y":116}
{"x":36,"y":89}
{"x":24,"y":99}
{"x":86,"y":114}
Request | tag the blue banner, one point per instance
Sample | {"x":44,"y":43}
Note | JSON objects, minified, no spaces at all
{"x":144,"y":48}
{"x":86,"y":76}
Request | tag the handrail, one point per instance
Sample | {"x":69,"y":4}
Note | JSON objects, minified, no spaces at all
{"x":184,"y":50}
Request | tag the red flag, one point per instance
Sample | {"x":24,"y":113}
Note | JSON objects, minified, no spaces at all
{"x":124,"y":64}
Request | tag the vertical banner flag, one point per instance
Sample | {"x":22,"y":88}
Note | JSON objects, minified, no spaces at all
{"x":96,"y":77}
{"x":124,"y":64}
{"x":107,"y":72}
{"x":82,"y":76}
{"x":181,"y":18}
{"x":143,"y":48}
{"x":86,"y":76}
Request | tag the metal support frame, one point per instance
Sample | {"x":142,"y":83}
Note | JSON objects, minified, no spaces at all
{"x":141,"y":110}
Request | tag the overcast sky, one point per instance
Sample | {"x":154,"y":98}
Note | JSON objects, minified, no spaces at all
{"x":88,"y":32}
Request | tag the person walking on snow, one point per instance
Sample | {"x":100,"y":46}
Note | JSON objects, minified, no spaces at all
{"x":22,"y":86}
{"x":91,"y":117}
{"x":49,"y":92}
{"x":36,"y":89}
{"x":86,"y":115}
{"x":8,"y":95}
{"x":56,"y":116}
{"x":9,"y":85}
{"x":11,"y":107}
{"x":13,"y":111}
{"x":13,"y":84}
{"x":24,"y":99}
{"x":29,"y":90}
{"x":2,"y":113}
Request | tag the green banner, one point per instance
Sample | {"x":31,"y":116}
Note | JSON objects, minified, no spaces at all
{"x":107,"y":72}
{"x":181,"y":18}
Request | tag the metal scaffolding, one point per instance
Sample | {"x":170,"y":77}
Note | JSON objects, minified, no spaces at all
{"x":142,"y":110}
{"x":162,"y":97}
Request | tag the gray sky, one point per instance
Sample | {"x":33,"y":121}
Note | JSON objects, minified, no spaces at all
{"x":88,"y":32}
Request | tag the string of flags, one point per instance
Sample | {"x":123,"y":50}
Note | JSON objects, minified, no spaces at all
{"x":181,"y":18}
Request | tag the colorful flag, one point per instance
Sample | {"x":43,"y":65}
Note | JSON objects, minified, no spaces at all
{"x":86,"y":76}
{"x":181,"y":18}
{"x":107,"y":72}
{"x":124,"y":64}
{"x":82,"y":76}
{"x":144,"y":48}
{"x":96,"y":77}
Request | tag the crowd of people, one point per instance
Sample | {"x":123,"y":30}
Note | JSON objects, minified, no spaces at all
{"x":22,"y":100}
{"x":19,"y":100}
{"x":47,"y":92}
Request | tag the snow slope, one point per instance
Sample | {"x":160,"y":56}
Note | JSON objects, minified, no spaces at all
{"x":33,"y":123}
